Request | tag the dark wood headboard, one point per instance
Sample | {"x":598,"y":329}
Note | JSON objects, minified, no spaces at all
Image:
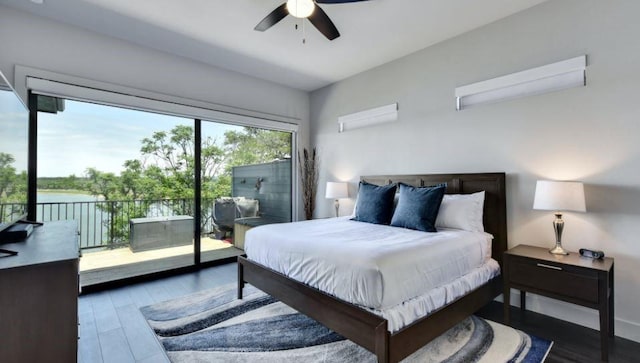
{"x":495,"y":203}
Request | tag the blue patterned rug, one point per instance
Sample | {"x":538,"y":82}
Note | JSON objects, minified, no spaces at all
{"x":213,"y":326}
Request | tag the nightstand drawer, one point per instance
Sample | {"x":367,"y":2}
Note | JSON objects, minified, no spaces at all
{"x":556,"y":279}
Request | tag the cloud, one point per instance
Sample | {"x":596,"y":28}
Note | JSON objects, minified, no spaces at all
{"x":103,"y":137}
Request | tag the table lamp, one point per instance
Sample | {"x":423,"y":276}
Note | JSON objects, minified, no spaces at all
{"x":336,"y":190}
{"x":559,"y":196}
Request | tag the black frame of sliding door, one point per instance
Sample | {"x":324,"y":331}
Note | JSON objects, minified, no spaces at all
{"x":197,"y":192}
{"x":32,"y":157}
{"x":197,"y":253}
{"x":197,"y":262}
{"x":32,"y":195}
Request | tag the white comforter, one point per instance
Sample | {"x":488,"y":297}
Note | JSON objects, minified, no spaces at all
{"x":370,"y":265}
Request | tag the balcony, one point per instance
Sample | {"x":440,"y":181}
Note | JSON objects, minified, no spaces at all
{"x":115,"y":264}
{"x":127,"y":238}
{"x":105,"y":236}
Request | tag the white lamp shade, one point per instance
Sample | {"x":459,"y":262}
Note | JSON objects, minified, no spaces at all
{"x":336,"y":190}
{"x":559,"y":196}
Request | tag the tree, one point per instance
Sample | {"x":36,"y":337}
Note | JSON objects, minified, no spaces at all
{"x":164,"y":173}
{"x":110,"y":187}
{"x":71,"y":182}
{"x":102,"y":184}
{"x":7,"y":174}
{"x":255,"y":146}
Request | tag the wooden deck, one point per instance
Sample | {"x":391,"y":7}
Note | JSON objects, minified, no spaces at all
{"x":109,"y":265}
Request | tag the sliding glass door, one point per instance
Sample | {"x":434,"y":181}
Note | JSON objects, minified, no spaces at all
{"x":246,"y":182}
{"x":153,"y":192}
{"x":126,"y":177}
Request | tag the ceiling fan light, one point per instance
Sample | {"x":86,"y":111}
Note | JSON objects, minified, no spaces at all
{"x":300,"y":8}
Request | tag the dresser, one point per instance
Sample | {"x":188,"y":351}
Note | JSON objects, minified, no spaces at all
{"x":39,"y":296}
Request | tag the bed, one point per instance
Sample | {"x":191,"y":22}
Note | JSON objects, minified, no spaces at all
{"x":369,"y":329}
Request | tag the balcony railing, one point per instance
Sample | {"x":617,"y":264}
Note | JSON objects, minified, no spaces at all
{"x":105,"y":224}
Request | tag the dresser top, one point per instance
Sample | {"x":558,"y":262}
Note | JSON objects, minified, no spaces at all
{"x":50,"y":242}
{"x":574,"y":258}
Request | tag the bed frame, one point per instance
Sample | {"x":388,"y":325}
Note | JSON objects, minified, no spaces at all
{"x":369,"y":330}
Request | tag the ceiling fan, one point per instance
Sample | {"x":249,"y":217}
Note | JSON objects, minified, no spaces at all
{"x":305,"y":9}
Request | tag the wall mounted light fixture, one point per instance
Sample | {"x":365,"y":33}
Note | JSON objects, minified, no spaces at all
{"x":551,"y":77}
{"x":259,"y":182}
{"x":374,"y":116}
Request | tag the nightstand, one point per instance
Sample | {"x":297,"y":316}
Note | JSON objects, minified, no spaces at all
{"x":573,"y":278}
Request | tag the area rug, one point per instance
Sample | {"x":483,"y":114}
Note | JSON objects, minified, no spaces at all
{"x":213,"y":326}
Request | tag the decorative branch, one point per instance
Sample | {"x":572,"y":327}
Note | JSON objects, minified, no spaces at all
{"x":309,"y":176}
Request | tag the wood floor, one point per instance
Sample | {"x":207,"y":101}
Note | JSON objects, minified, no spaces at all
{"x":571,"y":342}
{"x":112,"y":328}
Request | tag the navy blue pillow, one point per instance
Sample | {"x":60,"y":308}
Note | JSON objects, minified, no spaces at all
{"x":418,"y":207}
{"x":375,"y":203}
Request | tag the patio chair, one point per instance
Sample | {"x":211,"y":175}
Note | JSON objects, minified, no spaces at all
{"x":224,"y":215}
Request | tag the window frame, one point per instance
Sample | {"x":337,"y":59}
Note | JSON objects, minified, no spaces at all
{"x":130,"y":98}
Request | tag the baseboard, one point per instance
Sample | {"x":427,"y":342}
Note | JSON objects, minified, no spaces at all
{"x":628,"y":329}
{"x":574,"y":313}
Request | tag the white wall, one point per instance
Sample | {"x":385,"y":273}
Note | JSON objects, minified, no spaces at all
{"x":41,"y":43}
{"x":588,"y":134}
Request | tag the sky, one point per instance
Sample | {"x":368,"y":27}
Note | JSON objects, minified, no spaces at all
{"x":14,"y":123}
{"x":88,"y":135}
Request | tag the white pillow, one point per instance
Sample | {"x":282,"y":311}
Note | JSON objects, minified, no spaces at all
{"x":461,"y":211}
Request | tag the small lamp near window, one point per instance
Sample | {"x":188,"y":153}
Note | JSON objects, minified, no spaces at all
{"x":559,"y":196}
{"x":336,"y":190}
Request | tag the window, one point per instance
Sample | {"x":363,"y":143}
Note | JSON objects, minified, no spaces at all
{"x":127,"y":175}
{"x":246,"y":181}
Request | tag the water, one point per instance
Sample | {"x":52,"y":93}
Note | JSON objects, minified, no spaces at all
{"x":74,"y":206}
{"x":61,"y":197}
{"x":93,"y":222}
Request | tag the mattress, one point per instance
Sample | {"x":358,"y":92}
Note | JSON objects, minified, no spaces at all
{"x":374,"y":266}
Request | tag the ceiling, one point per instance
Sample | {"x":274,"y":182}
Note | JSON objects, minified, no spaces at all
{"x":220,"y":33}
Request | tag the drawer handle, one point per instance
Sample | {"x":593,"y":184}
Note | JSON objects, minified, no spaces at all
{"x":549,"y":266}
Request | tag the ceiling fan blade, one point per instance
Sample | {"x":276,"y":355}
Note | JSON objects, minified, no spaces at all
{"x":321,"y":21}
{"x":273,"y":18}
{"x":338,"y":1}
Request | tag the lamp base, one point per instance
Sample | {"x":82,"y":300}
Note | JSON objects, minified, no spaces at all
{"x":558,"y":250}
{"x":558,"y":226}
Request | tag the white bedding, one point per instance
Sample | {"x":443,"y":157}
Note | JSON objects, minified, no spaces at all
{"x":375,"y":266}
{"x":409,"y":311}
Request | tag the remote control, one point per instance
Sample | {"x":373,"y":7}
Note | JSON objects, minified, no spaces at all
{"x":591,"y":253}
